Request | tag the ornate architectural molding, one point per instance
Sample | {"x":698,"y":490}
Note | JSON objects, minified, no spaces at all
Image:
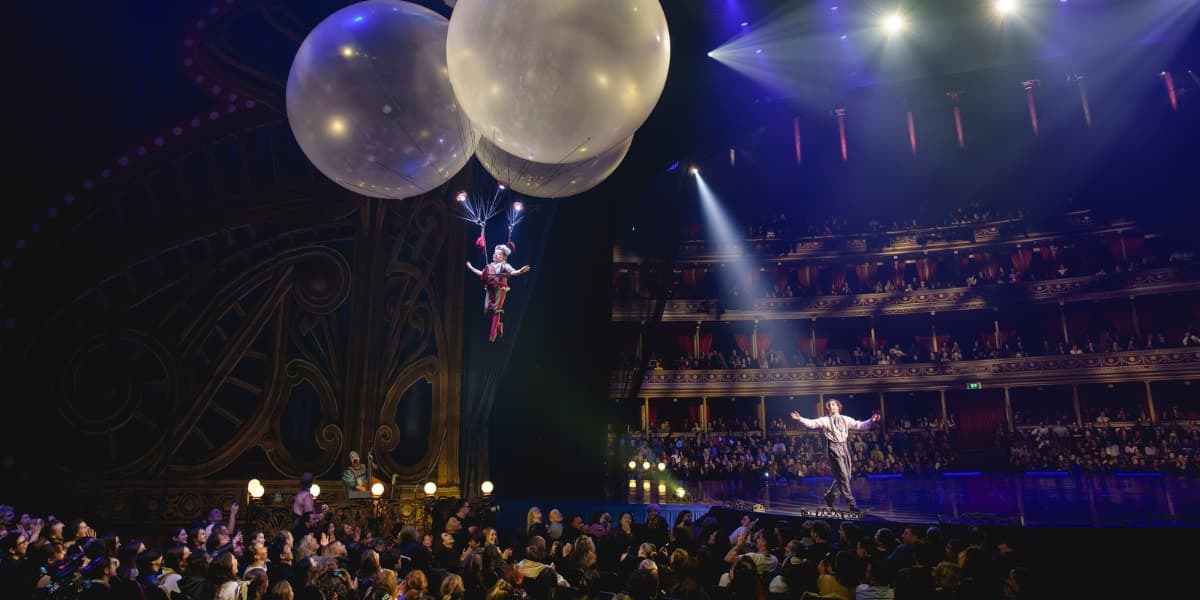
{"x":1073,"y":289}
{"x":1148,"y":365}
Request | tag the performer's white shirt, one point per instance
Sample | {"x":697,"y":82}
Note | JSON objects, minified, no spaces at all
{"x":837,"y":429}
{"x":498,"y":268}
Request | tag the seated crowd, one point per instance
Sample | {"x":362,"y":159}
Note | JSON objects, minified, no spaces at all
{"x":563,"y":558}
{"x":1098,"y":447}
{"x":918,"y":350}
{"x":698,"y":456}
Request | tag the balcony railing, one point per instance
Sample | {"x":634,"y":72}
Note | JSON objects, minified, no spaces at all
{"x":1070,"y":289}
{"x":1146,"y":365}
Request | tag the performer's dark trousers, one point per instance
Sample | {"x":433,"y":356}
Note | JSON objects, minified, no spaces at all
{"x":839,"y":459}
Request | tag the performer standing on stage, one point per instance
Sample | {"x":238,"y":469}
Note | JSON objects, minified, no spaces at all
{"x":837,"y":430}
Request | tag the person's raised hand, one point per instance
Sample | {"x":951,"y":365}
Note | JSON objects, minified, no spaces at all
{"x":795,"y":415}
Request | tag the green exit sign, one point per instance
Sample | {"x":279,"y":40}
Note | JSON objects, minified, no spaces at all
{"x":975,"y":385}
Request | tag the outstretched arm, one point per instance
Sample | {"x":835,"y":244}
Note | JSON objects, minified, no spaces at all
{"x":471,"y":268}
{"x":861,"y":425}
{"x":818,"y":423}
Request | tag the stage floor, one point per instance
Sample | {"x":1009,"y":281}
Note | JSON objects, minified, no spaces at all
{"x":1047,"y":500}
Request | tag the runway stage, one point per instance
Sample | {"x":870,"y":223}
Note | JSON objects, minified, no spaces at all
{"x":1053,"y":499}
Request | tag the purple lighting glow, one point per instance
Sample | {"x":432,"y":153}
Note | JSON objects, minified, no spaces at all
{"x":745,"y":23}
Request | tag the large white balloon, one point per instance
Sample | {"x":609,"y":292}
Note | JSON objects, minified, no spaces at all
{"x":549,"y":180}
{"x":370,"y":102}
{"x":544,"y":79}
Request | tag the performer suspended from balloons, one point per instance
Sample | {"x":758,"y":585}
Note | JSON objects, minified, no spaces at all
{"x":495,"y":281}
{"x":837,"y":428}
{"x":496,"y":273}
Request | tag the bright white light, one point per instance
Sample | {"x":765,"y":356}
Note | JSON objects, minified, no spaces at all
{"x":430,"y":488}
{"x":632,"y":465}
{"x":487,"y":488}
{"x":461,"y":197}
{"x":518,"y":206}
{"x":315,"y":490}
{"x":680,"y":493}
{"x":693,"y":171}
{"x":662,"y":466}
{"x":1005,"y":7}
{"x":895,"y":23}
{"x":632,"y":484}
{"x":502,"y":186}
{"x":377,"y":489}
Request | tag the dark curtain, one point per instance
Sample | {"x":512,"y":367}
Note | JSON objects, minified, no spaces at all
{"x":485,"y":362}
{"x":977,"y":418}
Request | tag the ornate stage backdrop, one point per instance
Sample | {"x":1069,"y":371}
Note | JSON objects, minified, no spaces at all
{"x":210,"y":309}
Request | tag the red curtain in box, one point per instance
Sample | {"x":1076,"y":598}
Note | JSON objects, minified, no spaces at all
{"x":978,"y":418}
{"x":837,"y":276}
{"x":1135,"y":247}
{"x":685,"y":344}
{"x":1021,"y":258}
{"x":652,"y":414}
{"x":694,"y":413}
{"x":743,"y":342}
{"x":764,"y":344}
{"x":866,"y":341}
{"x":706,"y":342}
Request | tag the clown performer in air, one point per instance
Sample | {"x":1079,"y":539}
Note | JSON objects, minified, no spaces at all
{"x":495,"y":281}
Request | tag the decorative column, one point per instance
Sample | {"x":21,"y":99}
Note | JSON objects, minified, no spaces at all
{"x":820,"y":405}
{"x":996,"y":328}
{"x":1083,"y":99}
{"x":1008,"y":409}
{"x":943,"y":395}
{"x":646,"y":415}
{"x":641,"y":334}
{"x":754,"y":342}
{"x":812,"y":340}
{"x":958,"y":124}
{"x":841,"y":119}
{"x":1137,"y":324}
{"x":704,"y":414}
{"x":1150,"y":404}
{"x":762,"y":414}
{"x":882,"y":414}
{"x":1075,"y":401}
{"x":933,"y":330}
{"x":874,"y":344}
{"x":1033,"y":118}
{"x":696,"y":341}
{"x":1062,"y":314}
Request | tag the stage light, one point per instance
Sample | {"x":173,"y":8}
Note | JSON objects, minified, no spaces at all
{"x":461,"y":197}
{"x":518,"y":206}
{"x":662,"y":489}
{"x":430,"y":488}
{"x":745,"y":23}
{"x":632,"y":465}
{"x":759,"y":51}
{"x":646,"y":485}
{"x":895,"y":23}
{"x":680,"y":493}
{"x":632,"y":484}
{"x":693,"y":171}
{"x":315,"y":490}
{"x":662,"y":466}
{"x":1005,"y":7}
{"x":645,"y":465}
{"x":502,"y":186}
{"x":256,"y":489}
{"x":377,"y":489}
{"x":487,"y":488}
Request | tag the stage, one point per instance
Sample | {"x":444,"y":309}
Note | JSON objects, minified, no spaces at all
{"x":1052,"y":499}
